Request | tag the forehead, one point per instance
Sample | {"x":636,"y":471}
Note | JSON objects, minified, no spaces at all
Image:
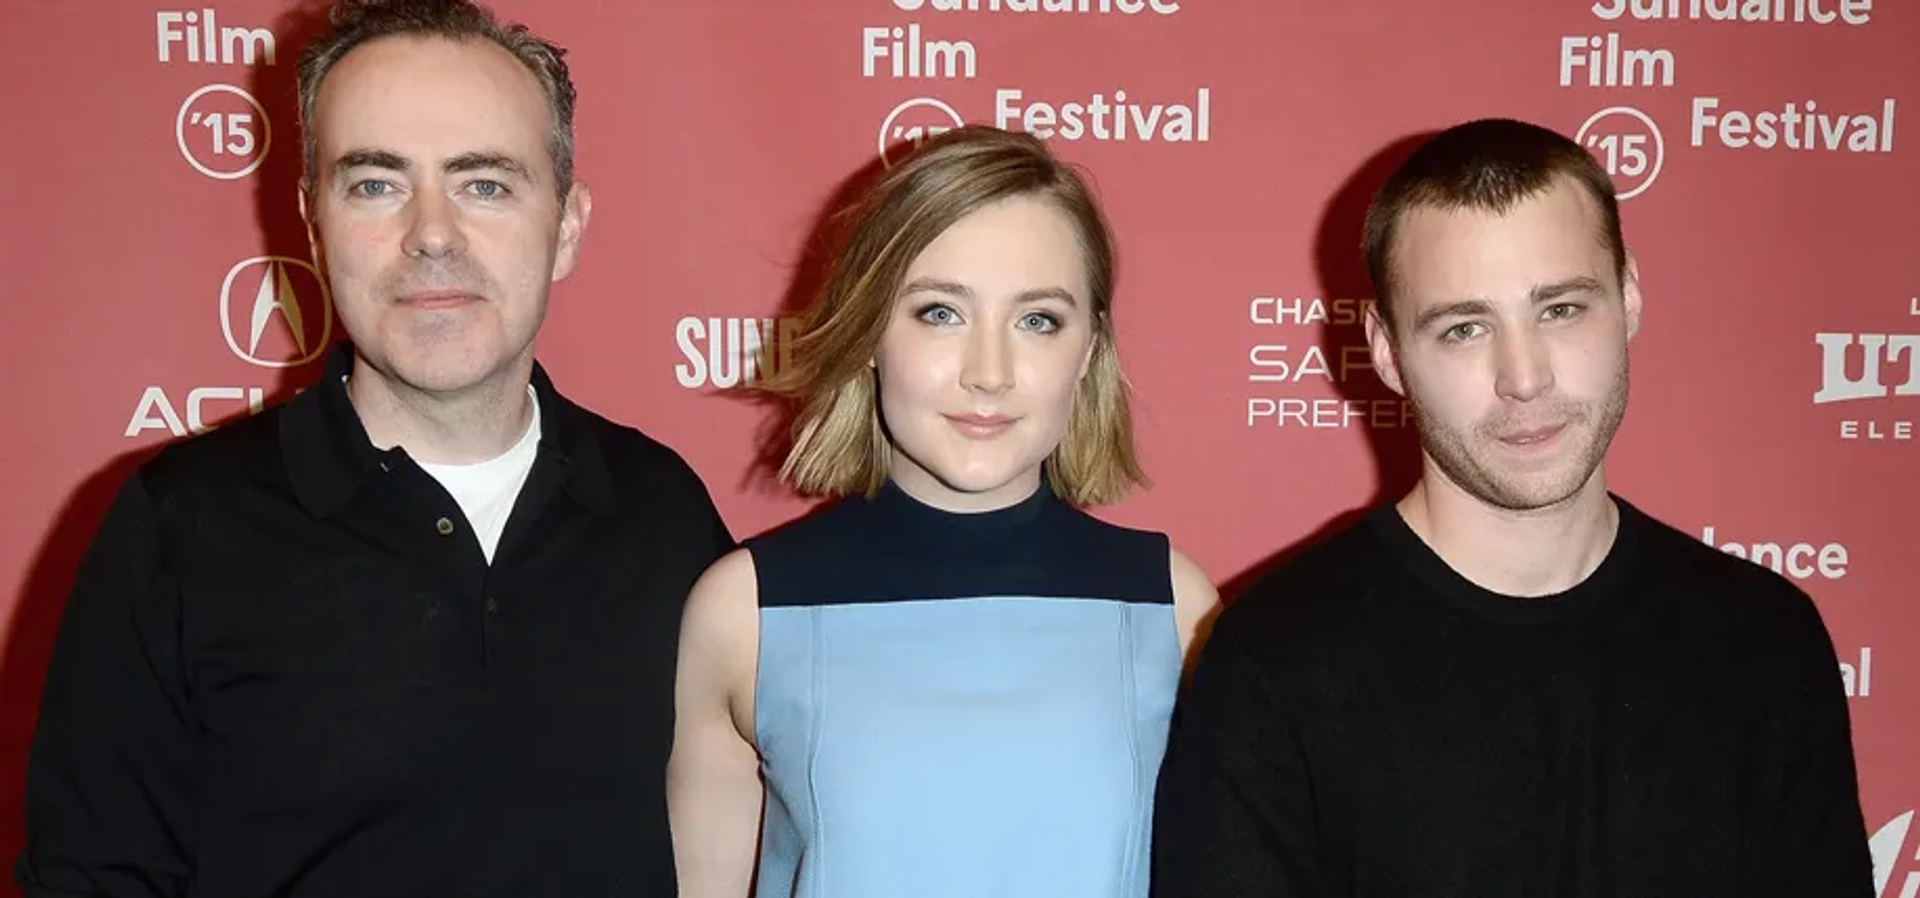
{"x":1017,"y":239}
{"x":1445,"y":255}
{"x":431,"y":97}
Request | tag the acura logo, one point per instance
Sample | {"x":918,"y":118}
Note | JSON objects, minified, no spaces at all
{"x":275,"y":311}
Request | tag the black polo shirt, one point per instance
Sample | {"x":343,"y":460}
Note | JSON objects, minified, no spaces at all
{"x":287,"y":669}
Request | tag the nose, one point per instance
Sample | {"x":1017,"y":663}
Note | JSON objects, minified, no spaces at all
{"x":987,"y":367}
{"x":434,"y":231}
{"x":1523,"y":367}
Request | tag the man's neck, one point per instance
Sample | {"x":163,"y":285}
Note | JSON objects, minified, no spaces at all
{"x":471,"y":426}
{"x":1522,"y":554}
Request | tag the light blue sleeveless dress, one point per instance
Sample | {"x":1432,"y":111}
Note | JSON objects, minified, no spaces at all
{"x":961,"y":704}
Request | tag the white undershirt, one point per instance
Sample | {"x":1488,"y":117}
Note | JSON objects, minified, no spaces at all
{"x":486,"y":490}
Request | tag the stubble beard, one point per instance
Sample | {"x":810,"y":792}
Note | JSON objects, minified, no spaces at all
{"x":1468,"y":456}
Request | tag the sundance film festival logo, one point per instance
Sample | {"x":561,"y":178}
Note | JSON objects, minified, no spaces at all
{"x":930,"y":47}
{"x":223,"y":132}
{"x":723,"y":353}
{"x":1120,"y":118}
{"x":1607,"y":58}
{"x":197,"y":37}
{"x":1628,"y":144}
{"x":221,"y":129}
{"x":1860,"y":367}
{"x":912,"y":123}
{"x":275,"y":312}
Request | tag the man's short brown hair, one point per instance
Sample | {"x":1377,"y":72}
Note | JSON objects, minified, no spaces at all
{"x":1487,"y":165}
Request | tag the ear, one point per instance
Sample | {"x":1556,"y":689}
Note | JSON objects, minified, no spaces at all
{"x":305,"y":191}
{"x":573,"y":228}
{"x":1386,"y":361}
{"x":1630,"y":294}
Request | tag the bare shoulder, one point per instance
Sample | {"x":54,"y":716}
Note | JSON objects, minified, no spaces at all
{"x":1195,"y":600}
{"x":724,"y":602}
{"x":720,"y":630}
{"x":732,"y":575}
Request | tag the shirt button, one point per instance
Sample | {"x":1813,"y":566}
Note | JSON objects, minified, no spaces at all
{"x":492,"y":606}
{"x":444,"y":526}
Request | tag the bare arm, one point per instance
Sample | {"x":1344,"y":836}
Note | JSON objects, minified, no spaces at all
{"x":714,"y":795}
{"x":1195,"y":603}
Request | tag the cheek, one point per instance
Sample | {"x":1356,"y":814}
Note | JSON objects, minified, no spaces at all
{"x":527,"y":242}
{"x":1591,"y":366}
{"x":357,"y":249}
{"x":1051,"y":373}
{"x":1449,"y":389}
{"x":507,"y":254}
{"x":914,"y":371}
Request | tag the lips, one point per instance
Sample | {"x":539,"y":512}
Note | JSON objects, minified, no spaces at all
{"x":1531,"y":436}
{"x":438,"y":299}
{"x":980,"y":426}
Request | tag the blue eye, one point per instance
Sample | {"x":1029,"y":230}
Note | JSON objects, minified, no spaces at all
{"x":1040,"y":321}
{"x":938,"y":314}
{"x":369,"y":188}
{"x":489,"y":189}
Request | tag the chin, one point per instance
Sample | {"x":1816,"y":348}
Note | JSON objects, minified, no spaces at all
{"x":975,"y":481}
{"x":1528,"y":497}
{"x":1486,"y":475}
{"x":981,"y":476}
{"x":445,"y":372}
{"x":1541,"y":489}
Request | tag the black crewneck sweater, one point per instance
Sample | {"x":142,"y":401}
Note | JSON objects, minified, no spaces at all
{"x":1366,"y":722}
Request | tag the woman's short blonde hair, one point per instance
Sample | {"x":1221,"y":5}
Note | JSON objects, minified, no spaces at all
{"x":839,"y":444}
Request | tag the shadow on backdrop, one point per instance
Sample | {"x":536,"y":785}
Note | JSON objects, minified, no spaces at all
{"x":1341,"y":271}
{"x":30,"y":638}
{"x":773,"y":437}
{"x":50,"y":577}
{"x":276,"y":194}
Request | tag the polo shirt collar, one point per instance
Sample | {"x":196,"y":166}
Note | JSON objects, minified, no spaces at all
{"x":330,"y":458}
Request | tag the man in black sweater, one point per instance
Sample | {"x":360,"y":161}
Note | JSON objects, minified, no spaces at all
{"x":412,"y":633}
{"x":1511,"y":683}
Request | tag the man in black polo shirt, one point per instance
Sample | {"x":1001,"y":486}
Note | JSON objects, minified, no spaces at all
{"x":412,"y":633}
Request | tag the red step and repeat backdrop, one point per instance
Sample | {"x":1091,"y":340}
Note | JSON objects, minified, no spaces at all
{"x":158,"y":280}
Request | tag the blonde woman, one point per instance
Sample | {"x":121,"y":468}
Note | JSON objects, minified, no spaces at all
{"x":954,"y":681}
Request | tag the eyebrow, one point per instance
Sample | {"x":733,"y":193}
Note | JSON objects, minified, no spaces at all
{"x":465,"y":162}
{"x":955,"y":288}
{"x":370,"y":159}
{"x":1539,"y":294}
{"x":496,"y":161}
{"x":1553,"y":291}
